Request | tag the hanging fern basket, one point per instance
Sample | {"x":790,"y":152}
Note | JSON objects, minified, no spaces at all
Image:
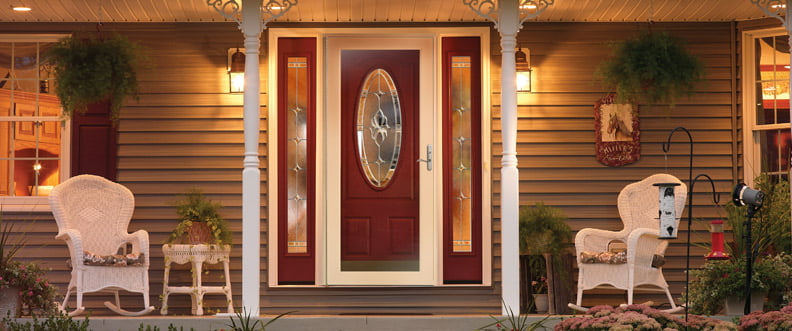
{"x":652,"y":68}
{"x":94,"y":70}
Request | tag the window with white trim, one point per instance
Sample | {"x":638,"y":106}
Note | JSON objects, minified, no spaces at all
{"x":32,"y":138}
{"x":766,"y":123}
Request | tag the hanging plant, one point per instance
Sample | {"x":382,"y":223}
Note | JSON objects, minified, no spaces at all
{"x":653,"y":68}
{"x":94,"y":70}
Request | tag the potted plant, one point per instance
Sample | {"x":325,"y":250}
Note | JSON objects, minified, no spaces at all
{"x":199,"y":221}
{"x":22,"y":284}
{"x":653,"y":68}
{"x":718,"y":281}
{"x":539,"y":290}
{"x":544,"y":235}
{"x":94,"y":70}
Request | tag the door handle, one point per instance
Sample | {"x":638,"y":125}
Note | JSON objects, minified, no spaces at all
{"x":428,"y":159}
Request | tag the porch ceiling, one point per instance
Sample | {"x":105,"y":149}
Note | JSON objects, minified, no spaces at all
{"x":380,"y":11}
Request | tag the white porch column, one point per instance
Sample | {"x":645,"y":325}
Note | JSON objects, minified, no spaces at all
{"x":508,"y":26}
{"x":252,"y":19}
{"x":251,"y":175}
{"x":508,"y":16}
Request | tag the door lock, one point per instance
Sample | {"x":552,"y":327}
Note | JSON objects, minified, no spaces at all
{"x":428,"y":159}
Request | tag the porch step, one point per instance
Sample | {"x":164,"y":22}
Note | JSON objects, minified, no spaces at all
{"x":313,"y":323}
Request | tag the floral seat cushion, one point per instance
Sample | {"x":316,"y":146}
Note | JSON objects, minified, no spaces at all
{"x":604,"y":257}
{"x":115,"y":260}
{"x":619,"y":257}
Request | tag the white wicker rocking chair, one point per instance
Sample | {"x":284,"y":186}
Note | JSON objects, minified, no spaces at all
{"x":93,"y":214}
{"x":638,"y":205}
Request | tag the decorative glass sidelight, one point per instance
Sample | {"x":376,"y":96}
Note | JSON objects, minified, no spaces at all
{"x":297,"y":154}
{"x":379,"y":127}
{"x":461,"y":154}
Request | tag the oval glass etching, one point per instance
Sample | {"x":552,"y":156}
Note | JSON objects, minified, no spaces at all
{"x":379,"y":127}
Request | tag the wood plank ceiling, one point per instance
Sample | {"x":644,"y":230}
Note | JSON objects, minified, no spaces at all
{"x":380,"y":11}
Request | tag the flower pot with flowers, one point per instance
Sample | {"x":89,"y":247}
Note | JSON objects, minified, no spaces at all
{"x":544,"y":236}
{"x":22,"y":285}
{"x":718,"y":281}
{"x":539,"y":289}
{"x":199,"y":221}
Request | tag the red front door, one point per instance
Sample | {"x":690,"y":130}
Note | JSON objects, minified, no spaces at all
{"x":379,"y":149}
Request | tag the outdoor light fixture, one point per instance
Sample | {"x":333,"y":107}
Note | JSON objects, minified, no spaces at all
{"x":744,"y":195}
{"x":236,"y":71}
{"x":667,"y":210}
{"x":523,"y":70}
{"x":21,"y":8}
{"x":716,"y":234}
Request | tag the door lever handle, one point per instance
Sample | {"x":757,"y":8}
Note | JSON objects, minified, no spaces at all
{"x":428,"y":159}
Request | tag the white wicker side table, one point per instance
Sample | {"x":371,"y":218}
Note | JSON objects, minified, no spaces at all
{"x":197,"y":255}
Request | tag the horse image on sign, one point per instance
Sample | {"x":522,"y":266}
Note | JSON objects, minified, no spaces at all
{"x":617,"y":132}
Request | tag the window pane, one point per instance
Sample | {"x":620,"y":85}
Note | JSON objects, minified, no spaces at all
{"x":296,"y":155}
{"x":461,"y":154}
{"x":25,"y":67}
{"x":34,"y":159}
{"x":773,"y":80}
{"x":775,"y":145}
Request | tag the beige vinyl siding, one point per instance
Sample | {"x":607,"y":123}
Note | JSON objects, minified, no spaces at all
{"x":555,"y":144}
{"x":186,"y":131}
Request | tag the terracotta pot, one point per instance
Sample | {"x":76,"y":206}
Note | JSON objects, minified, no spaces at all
{"x":9,"y":302}
{"x":541,"y":302}
{"x":199,"y":233}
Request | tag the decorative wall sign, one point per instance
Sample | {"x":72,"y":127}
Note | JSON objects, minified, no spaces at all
{"x":618,"y":132}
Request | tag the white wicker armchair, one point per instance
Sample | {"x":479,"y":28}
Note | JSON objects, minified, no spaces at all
{"x":93,"y":214}
{"x":638,"y":207}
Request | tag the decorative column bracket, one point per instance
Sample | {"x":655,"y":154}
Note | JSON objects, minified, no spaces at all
{"x":489,"y":10}
{"x":270,"y":11}
{"x":779,"y":9}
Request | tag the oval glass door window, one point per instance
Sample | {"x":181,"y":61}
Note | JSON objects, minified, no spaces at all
{"x":379,"y":128}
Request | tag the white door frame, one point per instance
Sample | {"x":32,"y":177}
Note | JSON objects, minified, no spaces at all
{"x":328,"y":170}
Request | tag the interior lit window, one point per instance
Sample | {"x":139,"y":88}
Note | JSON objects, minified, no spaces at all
{"x":30,"y":124}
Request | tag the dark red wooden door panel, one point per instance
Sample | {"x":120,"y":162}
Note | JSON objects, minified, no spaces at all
{"x":379,"y":223}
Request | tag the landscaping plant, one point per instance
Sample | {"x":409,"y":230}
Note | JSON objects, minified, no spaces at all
{"x":639,"y":317}
{"x":514,"y":322}
{"x":245,"y":322}
{"x":54,"y":322}
{"x":35,"y":292}
{"x":771,"y":321}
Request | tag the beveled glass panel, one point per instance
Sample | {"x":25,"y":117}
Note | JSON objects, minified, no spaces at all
{"x":297,"y":154}
{"x":461,"y":155}
{"x":379,"y":127}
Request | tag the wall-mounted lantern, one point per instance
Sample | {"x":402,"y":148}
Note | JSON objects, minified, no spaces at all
{"x":523,"y":66}
{"x":667,"y":211}
{"x":236,"y":70}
